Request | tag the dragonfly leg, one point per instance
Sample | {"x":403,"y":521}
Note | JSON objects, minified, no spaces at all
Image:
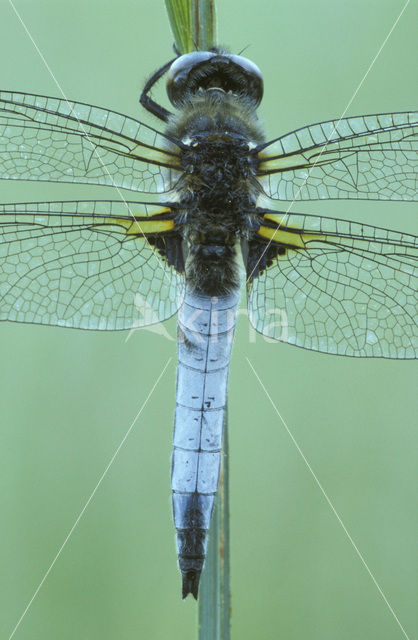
{"x":147,"y":102}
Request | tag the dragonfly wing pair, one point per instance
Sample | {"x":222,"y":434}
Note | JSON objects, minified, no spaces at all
{"x":320,"y":283}
{"x":90,"y":264}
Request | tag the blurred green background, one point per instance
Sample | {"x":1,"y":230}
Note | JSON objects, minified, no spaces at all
{"x":68,"y":397}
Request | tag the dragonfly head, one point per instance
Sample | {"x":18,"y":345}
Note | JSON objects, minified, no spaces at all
{"x":213,"y":71}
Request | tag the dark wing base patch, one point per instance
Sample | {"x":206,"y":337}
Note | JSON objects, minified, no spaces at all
{"x":261,"y":255}
{"x":170,"y":249}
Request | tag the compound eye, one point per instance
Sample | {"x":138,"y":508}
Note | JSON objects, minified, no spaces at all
{"x":252,"y":75}
{"x":178,"y":78}
{"x":213,"y":70}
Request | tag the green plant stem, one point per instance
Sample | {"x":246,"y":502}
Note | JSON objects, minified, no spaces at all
{"x":193,"y":24}
{"x":204,"y":24}
{"x":214,"y":598}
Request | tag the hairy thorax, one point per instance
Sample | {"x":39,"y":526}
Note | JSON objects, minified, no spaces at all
{"x":218,"y":188}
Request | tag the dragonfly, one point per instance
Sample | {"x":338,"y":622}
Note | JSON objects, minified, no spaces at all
{"x":316,"y":282}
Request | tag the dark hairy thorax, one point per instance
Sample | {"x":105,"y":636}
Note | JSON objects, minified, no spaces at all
{"x":218,"y":190}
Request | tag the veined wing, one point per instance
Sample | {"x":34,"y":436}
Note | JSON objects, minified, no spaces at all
{"x":89,"y":265}
{"x":334,"y":286}
{"x":367,"y":157}
{"x":45,"y":138}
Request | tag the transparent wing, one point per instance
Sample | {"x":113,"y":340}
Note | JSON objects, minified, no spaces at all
{"x":45,"y":138}
{"x":89,"y":265}
{"x":367,"y":157}
{"x":334,"y":286}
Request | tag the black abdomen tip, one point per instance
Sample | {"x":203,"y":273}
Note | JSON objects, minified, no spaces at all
{"x":190,"y":583}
